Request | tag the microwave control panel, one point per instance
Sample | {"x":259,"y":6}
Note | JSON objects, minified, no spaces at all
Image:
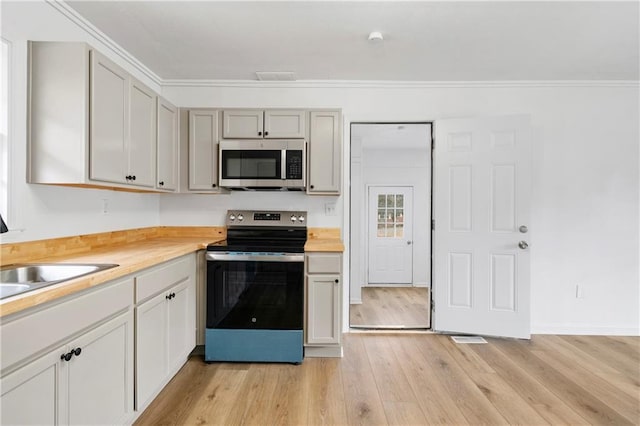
{"x":294,"y":167}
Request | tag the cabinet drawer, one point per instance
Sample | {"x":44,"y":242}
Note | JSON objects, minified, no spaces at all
{"x":34,"y":332}
{"x":159,"y":278}
{"x":320,"y":263}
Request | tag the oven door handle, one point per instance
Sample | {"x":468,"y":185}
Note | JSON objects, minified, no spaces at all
{"x":256,"y":257}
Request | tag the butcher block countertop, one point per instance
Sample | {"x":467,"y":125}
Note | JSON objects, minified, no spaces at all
{"x":133,"y":250}
{"x":324,"y":239}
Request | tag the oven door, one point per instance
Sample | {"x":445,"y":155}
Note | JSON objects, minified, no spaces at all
{"x":255,"y":291}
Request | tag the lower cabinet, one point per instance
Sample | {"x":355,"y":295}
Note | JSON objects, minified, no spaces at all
{"x":88,"y":380}
{"x":165,"y":325}
{"x":323,"y":327}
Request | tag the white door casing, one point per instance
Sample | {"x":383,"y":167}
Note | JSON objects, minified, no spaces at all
{"x":390,"y":235}
{"x":482,"y":184}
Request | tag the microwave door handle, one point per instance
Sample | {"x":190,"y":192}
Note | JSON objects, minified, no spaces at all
{"x":283,"y":164}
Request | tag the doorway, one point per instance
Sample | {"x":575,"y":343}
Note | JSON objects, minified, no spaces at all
{"x":390,"y":269}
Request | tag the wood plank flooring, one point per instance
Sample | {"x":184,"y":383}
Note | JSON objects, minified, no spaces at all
{"x":392,"y":306}
{"x":417,"y":379}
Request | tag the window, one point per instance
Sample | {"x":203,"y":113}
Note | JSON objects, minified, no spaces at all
{"x":391,"y":215}
{"x":4,"y":127}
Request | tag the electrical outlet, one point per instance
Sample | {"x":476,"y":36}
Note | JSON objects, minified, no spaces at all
{"x":330,"y":209}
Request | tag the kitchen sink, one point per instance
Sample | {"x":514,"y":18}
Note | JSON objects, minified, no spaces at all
{"x":17,"y":279}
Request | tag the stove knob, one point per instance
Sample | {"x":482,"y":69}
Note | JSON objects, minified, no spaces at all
{"x":293,"y":218}
{"x":301,"y":218}
{"x":240,"y":217}
{"x":232,"y":217}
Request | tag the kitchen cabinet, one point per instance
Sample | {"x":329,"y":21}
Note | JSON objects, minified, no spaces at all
{"x":268,"y":124}
{"x":86,"y":373}
{"x":90,"y":123}
{"x":165,"y":325}
{"x":167,"y":146}
{"x":203,"y":151}
{"x":323,"y":325}
{"x":325,"y":152}
{"x":123,"y":120}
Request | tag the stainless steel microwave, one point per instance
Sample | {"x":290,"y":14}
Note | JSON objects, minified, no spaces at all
{"x":262,"y":164}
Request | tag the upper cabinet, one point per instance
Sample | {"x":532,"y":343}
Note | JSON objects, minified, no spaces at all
{"x":203,"y":151}
{"x":90,"y":122}
{"x":167,"y":146}
{"x":325,"y":153}
{"x":268,"y":124}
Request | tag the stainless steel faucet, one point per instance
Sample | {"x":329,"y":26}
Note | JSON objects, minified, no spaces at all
{"x":3,"y":226}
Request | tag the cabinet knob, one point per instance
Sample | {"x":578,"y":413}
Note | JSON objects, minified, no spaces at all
{"x":213,"y":185}
{"x":311,"y":186}
{"x":337,"y":281}
{"x":259,"y":133}
{"x":77,"y":351}
{"x":266,"y":133}
{"x":168,"y":297}
{"x":133,"y":177}
{"x":127,"y":177}
{"x":161,"y":183}
{"x":67,"y":356}
{"x":173,"y":295}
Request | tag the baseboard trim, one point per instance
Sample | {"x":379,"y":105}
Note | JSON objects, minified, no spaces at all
{"x":573,"y":329}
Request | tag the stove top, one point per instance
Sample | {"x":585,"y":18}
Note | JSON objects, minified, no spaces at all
{"x":264,"y":231}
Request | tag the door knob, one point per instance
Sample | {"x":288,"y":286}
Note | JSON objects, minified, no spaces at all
{"x":523,"y":229}
{"x":523,"y":245}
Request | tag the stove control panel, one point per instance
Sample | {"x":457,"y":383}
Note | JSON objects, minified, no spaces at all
{"x":266,"y":218}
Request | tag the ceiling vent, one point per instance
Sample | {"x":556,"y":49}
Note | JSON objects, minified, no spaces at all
{"x":275,"y":76}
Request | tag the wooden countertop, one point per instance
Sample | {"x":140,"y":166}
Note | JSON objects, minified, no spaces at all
{"x":130,"y":256}
{"x":133,"y":250}
{"x":324,"y":239}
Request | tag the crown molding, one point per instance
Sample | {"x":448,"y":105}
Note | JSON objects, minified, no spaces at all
{"x":89,"y":28}
{"x":73,"y":16}
{"x":384,"y":84}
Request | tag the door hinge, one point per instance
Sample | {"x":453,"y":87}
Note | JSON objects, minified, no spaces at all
{"x":433,"y":224}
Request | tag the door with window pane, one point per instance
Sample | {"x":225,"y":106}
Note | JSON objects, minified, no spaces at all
{"x":390,"y":235}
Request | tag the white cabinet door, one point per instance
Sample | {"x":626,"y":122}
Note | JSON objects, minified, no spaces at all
{"x":30,"y":394}
{"x":167,"y":146}
{"x":109,"y":120}
{"x":325,"y":153}
{"x":482,"y":189}
{"x":100,"y":377}
{"x":243,"y":124}
{"x":151,"y":348}
{"x":181,"y":323}
{"x":142,"y":135}
{"x":203,"y":150}
{"x":323,"y":309}
{"x":284,"y":124}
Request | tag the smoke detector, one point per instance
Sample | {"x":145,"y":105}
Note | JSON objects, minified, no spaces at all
{"x":375,"y":36}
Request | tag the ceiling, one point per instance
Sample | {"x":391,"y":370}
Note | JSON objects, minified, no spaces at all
{"x":424,"y":40}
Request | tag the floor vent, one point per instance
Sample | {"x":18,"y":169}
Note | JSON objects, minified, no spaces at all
{"x":468,"y":339}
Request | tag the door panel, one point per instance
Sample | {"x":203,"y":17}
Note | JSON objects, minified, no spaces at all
{"x":481,"y":197}
{"x":390,"y":235}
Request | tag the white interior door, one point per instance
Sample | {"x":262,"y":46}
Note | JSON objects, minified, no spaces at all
{"x":482,"y":180}
{"x":390,"y":235}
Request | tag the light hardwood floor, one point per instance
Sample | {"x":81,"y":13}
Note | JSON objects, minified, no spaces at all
{"x":417,"y":379}
{"x":392,"y":306}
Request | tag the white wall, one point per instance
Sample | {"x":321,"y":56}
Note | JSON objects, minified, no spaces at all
{"x":39,"y":211}
{"x":584,"y":228}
